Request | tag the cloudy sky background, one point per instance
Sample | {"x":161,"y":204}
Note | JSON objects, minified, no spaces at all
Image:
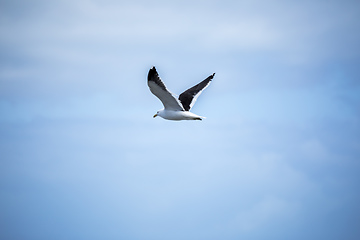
{"x":276,"y":158}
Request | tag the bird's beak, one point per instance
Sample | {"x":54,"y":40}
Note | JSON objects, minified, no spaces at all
{"x":155,"y":115}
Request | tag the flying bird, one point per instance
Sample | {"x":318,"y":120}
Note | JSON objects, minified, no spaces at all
{"x":176,"y":108}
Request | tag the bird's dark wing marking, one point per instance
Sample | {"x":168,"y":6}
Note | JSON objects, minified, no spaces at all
{"x":189,"y":97}
{"x":158,"y":88}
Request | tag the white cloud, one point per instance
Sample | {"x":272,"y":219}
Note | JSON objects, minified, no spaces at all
{"x":77,"y":114}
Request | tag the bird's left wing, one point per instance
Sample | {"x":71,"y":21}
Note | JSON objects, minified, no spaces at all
{"x":158,"y":88}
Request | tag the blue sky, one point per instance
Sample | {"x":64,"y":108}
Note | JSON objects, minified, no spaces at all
{"x":276,"y":158}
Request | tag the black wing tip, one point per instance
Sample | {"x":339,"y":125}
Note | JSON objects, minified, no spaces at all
{"x":209,"y":78}
{"x":152,"y":73}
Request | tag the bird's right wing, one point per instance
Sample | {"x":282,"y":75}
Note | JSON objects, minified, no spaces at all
{"x":158,"y":88}
{"x":188,"y":98}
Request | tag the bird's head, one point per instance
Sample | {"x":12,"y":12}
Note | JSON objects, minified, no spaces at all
{"x":156,"y":114}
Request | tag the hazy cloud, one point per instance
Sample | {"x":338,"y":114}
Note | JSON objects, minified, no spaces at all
{"x":82,"y":157}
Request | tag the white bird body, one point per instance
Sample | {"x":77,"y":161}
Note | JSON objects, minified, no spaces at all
{"x":176,"y":108}
{"x":177,"y":115}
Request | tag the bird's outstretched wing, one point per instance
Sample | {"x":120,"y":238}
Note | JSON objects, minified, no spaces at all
{"x":158,"y":88}
{"x":188,"y":98}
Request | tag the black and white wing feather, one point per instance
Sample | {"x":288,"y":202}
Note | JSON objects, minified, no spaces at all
{"x":158,"y":88}
{"x":188,"y":98}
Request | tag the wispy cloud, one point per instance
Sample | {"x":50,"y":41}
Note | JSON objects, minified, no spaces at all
{"x":276,"y":155}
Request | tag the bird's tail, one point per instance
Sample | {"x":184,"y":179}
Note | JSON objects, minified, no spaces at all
{"x":200,"y":118}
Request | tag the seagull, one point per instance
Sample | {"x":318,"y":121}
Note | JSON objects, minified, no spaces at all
{"x":176,"y":108}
